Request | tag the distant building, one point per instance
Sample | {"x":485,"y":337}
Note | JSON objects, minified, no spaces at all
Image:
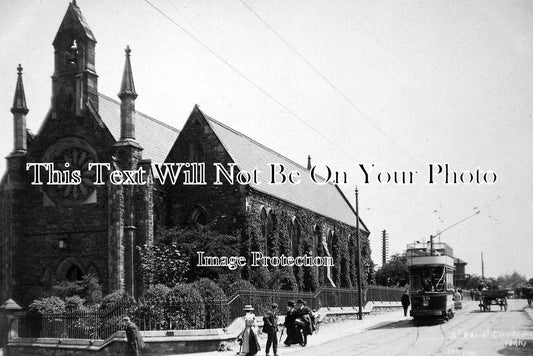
{"x":459,"y":273}
{"x":53,"y":232}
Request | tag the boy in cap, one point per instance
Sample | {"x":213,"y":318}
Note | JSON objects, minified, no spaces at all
{"x":270,"y":327}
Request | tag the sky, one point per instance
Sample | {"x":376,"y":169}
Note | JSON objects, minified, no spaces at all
{"x":400,"y":85}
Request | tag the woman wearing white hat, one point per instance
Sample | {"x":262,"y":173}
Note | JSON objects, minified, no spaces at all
{"x":250,"y":344}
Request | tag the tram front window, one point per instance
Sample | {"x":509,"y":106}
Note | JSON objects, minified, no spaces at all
{"x":428,"y":279}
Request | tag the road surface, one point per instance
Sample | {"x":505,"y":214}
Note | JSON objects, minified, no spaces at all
{"x":469,"y":333}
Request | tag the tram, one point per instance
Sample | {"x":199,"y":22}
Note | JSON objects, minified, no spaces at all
{"x":431,"y":284}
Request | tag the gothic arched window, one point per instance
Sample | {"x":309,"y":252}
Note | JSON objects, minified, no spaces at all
{"x":266,"y":227}
{"x":329,"y":242}
{"x":70,"y":269}
{"x":199,"y":216}
{"x":317,"y":241}
{"x":295,"y":233}
{"x":73,"y":274}
{"x":72,"y":53}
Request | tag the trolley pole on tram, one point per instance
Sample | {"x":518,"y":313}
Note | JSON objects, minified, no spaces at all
{"x":359,"y":275}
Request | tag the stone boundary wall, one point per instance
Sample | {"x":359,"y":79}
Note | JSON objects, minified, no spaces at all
{"x":169,"y":342}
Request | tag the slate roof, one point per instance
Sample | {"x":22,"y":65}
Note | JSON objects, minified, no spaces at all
{"x":327,"y":200}
{"x":155,"y":137}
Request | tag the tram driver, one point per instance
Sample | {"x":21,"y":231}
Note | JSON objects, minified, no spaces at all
{"x":427,"y":284}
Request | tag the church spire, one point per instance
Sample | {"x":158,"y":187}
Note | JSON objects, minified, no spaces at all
{"x":74,"y":82}
{"x":127,"y":87}
{"x":19,"y":102}
{"x":19,"y":111}
{"x":127,"y":97}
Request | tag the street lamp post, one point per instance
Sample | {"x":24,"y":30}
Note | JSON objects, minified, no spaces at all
{"x":359,"y":276}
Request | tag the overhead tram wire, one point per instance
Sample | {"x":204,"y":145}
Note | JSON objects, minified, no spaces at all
{"x":438,"y":233}
{"x":333,"y":86}
{"x":257,"y":86}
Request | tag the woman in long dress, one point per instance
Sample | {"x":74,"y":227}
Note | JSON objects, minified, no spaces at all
{"x":250,"y":344}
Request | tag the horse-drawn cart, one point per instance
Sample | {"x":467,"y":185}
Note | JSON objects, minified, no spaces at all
{"x":493,"y":297}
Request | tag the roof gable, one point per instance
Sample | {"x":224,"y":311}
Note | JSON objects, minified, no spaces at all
{"x":326,"y":200}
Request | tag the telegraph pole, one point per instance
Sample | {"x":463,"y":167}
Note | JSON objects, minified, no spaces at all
{"x":359,"y":276}
{"x":482,"y":267}
{"x":385,"y":247}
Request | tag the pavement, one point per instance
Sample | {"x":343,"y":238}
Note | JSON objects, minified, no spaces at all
{"x":327,"y":332}
{"x":529,"y":311}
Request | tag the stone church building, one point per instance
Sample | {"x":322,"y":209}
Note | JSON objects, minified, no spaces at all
{"x":55,"y":231}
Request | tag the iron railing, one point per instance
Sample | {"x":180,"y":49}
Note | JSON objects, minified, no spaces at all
{"x":172,"y":314}
{"x":168,"y":314}
{"x":324,"y":297}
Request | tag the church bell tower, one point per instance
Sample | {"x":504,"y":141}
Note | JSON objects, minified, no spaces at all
{"x":74,"y":82}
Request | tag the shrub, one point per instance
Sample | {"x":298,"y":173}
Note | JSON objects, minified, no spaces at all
{"x":153,"y":310}
{"x":92,"y":289}
{"x":209,"y":290}
{"x":189,"y":311}
{"x":163,"y":264}
{"x":41,"y":312}
{"x":113,"y":302}
{"x":114,"y":298}
{"x":74,"y":303}
{"x":282,"y":279}
{"x":48,"y":305}
{"x":88,"y":288}
{"x":214,"y":297}
{"x":199,"y":238}
{"x":158,"y":291}
{"x":260,"y":277}
{"x":225,"y":280}
{"x":186,"y":293}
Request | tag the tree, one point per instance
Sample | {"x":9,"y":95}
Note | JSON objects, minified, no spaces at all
{"x":393,"y":272}
{"x":204,"y":238}
{"x":472,"y":282}
{"x":511,"y":280}
{"x":163,"y":264}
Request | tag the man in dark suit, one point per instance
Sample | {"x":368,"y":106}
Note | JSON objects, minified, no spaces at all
{"x":270,"y":327}
{"x":304,"y":313}
{"x":406,"y":301}
{"x":135,"y":341}
{"x":294,"y":335}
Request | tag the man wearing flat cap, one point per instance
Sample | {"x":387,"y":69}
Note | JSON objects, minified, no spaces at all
{"x":270,"y":327}
{"x":135,"y":341}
